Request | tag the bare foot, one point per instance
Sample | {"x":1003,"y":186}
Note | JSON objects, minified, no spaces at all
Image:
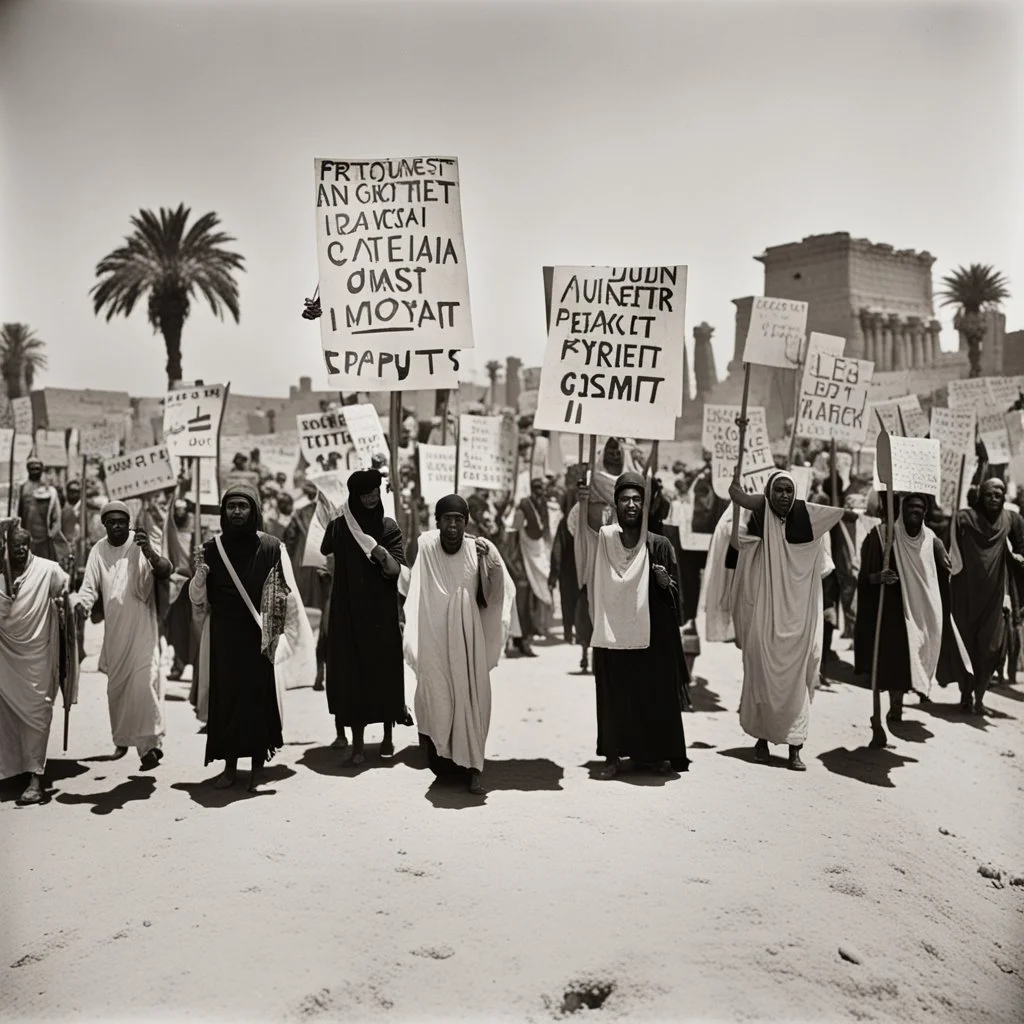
{"x":33,"y":792}
{"x":225,"y":780}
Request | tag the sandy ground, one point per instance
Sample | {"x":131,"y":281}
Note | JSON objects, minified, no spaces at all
{"x":724,"y":894}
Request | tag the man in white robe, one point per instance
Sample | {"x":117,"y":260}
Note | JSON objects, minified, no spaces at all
{"x":123,"y":574}
{"x":778,"y":611}
{"x":457,"y":614}
{"x":29,"y":656}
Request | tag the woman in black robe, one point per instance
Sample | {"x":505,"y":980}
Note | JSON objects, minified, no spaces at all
{"x":244,"y":719}
{"x":365,"y":667}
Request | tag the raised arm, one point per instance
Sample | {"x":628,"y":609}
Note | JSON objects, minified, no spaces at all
{"x":751,"y":502}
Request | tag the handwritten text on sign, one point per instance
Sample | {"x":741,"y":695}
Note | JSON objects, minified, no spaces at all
{"x":954,"y":428}
{"x":721,"y":436}
{"x":993,"y":433}
{"x":101,"y":442}
{"x":487,"y":452}
{"x":833,"y":395}
{"x":437,"y":472}
{"x":392,"y":267}
{"x":776,"y":333}
{"x":614,"y":357}
{"x":916,"y":465}
{"x":192,"y":420}
{"x":325,"y":443}
{"x":137,"y":473}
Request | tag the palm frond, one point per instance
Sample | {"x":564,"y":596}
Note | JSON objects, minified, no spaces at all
{"x":974,"y":288}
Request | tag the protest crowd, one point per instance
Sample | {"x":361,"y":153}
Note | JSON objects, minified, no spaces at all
{"x":340,"y":579}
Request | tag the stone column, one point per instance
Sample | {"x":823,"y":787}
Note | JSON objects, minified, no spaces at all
{"x":899,"y":346}
{"x":878,"y":334}
{"x":885,"y":343}
{"x":934,"y":329}
{"x":916,"y":342}
{"x":865,"y":330}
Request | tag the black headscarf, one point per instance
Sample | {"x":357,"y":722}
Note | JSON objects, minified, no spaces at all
{"x":370,"y":520}
{"x":634,"y":480}
{"x":452,"y":503}
{"x":231,"y":534}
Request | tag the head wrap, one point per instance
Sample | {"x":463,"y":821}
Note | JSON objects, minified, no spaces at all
{"x":255,"y":521}
{"x":452,"y":503}
{"x":115,"y":506}
{"x":370,"y":520}
{"x":32,"y":460}
{"x":634,"y":480}
{"x":987,"y":485}
{"x":363,"y":481}
{"x":18,"y":533}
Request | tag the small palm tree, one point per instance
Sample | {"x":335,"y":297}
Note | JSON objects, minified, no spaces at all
{"x":975,"y":290}
{"x":21,"y":358}
{"x":492,"y":375}
{"x":170,"y":261}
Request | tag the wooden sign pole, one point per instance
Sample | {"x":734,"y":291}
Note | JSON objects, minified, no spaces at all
{"x":734,"y":544}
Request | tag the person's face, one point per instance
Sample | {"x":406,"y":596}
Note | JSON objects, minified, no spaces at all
{"x":453,"y":528}
{"x":613,"y":457}
{"x":310,"y":491}
{"x":629,"y":505}
{"x":537,"y":490}
{"x":992,"y":499}
{"x":783,"y":495}
{"x":117,"y":526}
{"x":281,"y":479}
{"x":180,"y":513}
{"x":284,"y":504}
{"x":74,"y":492}
{"x":912,"y":513}
{"x":237,"y":511}
{"x":20,"y":548}
{"x":240,"y":462}
{"x":35,"y":472}
{"x":370,"y":500}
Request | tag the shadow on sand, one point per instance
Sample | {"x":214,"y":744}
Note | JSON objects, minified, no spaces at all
{"x":632,"y":775}
{"x":57,"y":770}
{"x":134,"y":788}
{"x":205,"y":795}
{"x":910,"y":731}
{"x":703,"y":698}
{"x":449,"y":792}
{"x":952,"y":713}
{"x":864,"y":764}
{"x":747,"y":754}
{"x":1010,"y":692}
{"x":331,"y":762}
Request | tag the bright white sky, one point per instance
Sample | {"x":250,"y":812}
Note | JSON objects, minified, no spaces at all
{"x":587,"y":133}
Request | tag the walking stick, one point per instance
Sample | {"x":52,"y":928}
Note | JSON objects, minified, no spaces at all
{"x":733,"y":553}
{"x":883,"y":455}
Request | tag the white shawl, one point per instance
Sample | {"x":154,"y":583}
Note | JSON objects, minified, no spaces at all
{"x":620,"y":610}
{"x":364,"y":540}
{"x":922,"y":600}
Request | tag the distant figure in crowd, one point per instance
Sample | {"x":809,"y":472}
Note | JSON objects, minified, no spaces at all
{"x":365,"y":669}
{"x":639,"y":667}
{"x":285,"y":507}
{"x":70,"y":520}
{"x":701,"y":514}
{"x":457,"y":613}
{"x":529,"y":564}
{"x":240,"y":473}
{"x":563,"y":558}
{"x":123,"y":575}
{"x":777,"y":611}
{"x":178,"y":628}
{"x":40,"y":513}
{"x":29,"y":649}
{"x":255,"y":637}
{"x":917,"y":640}
{"x":984,"y":538}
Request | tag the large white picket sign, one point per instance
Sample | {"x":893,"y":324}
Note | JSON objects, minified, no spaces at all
{"x":192,"y":420}
{"x":325,"y":443}
{"x":916,"y":465}
{"x":994,"y":435}
{"x":833,"y":396}
{"x":140,"y":472}
{"x":393,"y":283}
{"x":366,"y":431}
{"x":102,"y":441}
{"x":487,"y":452}
{"x":954,"y":428}
{"x":776,"y":333}
{"x":437,"y":472}
{"x":613,"y":363}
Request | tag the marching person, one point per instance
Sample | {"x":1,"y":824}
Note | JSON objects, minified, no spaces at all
{"x":365,"y":666}
{"x":29,"y":655}
{"x":531,"y":538}
{"x":457,"y":614}
{"x":639,"y":668}
{"x":983,"y":539}
{"x":778,"y":611}
{"x":123,"y":574}
{"x":247,"y":657}
{"x":39,"y":510}
{"x":917,"y":635}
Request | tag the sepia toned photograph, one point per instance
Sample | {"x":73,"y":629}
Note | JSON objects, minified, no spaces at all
{"x":511,"y":511}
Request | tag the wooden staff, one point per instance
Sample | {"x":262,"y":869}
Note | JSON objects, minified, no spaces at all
{"x":650,"y":471}
{"x":394,"y":427}
{"x":82,"y":519}
{"x":833,"y":472}
{"x":197,"y":523}
{"x":732,"y":554}
{"x":10,"y":477}
{"x":579,"y":460}
{"x":884,"y":457}
{"x":444,"y":418}
{"x":458,"y":451}
{"x":796,"y":400}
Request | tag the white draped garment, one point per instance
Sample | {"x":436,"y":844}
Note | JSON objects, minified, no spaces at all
{"x":29,"y":654}
{"x":452,"y":644}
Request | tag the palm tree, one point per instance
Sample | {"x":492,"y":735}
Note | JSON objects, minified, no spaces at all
{"x":160,"y":257}
{"x":975,"y":290}
{"x":21,"y":358}
{"x":492,"y":375}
